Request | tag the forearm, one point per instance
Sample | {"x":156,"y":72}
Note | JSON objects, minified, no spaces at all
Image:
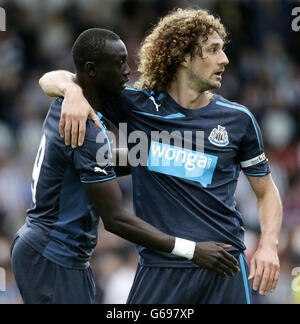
{"x":270,"y":214}
{"x":265,"y":264}
{"x":56,"y":83}
{"x":136,"y":230}
{"x":107,"y":199}
{"x":209,"y":255}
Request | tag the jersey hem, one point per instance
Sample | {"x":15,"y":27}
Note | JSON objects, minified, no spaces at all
{"x":28,"y":235}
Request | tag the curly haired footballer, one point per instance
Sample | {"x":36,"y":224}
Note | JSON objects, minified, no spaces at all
{"x":175,"y":35}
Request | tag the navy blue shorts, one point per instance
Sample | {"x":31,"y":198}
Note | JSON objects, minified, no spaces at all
{"x":154,"y":285}
{"x":41,"y":281}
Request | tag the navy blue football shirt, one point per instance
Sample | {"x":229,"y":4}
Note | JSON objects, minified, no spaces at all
{"x":186,"y":187}
{"x":61,"y":223}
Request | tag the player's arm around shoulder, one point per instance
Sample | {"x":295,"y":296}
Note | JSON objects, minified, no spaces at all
{"x":265,"y":266}
{"x":75,"y":108}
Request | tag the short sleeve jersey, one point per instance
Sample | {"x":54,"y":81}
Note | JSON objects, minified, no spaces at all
{"x":61,"y":223}
{"x":185,"y":184}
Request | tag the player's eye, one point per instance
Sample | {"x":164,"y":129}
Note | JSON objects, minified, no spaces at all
{"x":213,"y":50}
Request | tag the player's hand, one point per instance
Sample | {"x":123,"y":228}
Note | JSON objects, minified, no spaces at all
{"x":264,"y":270}
{"x":75,"y":112}
{"x":213,"y":256}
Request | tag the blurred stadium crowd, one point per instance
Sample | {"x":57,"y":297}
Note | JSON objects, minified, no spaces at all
{"x":264,"y":75}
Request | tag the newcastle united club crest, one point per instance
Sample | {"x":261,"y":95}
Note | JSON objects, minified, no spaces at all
{"x":219,"y":136}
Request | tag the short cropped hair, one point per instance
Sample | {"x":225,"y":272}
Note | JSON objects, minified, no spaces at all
{"x":175,"y":35}
{"x":90,"y":46}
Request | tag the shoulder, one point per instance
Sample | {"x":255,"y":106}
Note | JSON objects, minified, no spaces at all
{"x":130,"y":91}
{"x":92,"y":131}
{"x":241,"y":113}
{"x":232,"y":106}
{"x":57,"y":103}
{"x":131,"y":98}
{"x":142,"y":94}
{"x":55,"y":109}
{"x":53,"y":115}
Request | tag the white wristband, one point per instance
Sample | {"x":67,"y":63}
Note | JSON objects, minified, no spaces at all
{"x":184,"y":248}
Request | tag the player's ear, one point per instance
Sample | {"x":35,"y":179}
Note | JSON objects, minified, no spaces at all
{"x":90,"y":68}
{"x":186,"y":61}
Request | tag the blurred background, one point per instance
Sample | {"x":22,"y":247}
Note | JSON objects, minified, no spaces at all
{"x":264,"y":75}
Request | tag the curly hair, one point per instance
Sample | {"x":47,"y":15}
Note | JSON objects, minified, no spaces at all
{"x":172,"y":38}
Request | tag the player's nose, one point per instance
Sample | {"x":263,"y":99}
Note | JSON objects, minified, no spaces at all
{"x":223,"y":60}
{"x":127,"y":71}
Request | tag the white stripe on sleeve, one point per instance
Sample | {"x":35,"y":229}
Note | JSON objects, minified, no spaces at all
{"x":254,"y":161}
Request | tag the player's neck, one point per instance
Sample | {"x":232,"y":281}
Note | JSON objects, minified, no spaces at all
{"x":90,"y":92}
{"x":93,"y":96}
{"x":187,"y":97}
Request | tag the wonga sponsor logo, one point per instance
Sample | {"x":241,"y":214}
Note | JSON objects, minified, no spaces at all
{"x":182,"y":163}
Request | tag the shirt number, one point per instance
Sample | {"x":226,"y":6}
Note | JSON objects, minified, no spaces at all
{"x":37,"y":167}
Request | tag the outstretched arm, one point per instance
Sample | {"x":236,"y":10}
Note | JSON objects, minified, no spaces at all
{"x":264,"y":266}
{"x":75,"y":108}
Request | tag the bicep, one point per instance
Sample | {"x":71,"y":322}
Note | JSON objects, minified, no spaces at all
{"x":106,"y":197}
{"x":261,"y":185}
